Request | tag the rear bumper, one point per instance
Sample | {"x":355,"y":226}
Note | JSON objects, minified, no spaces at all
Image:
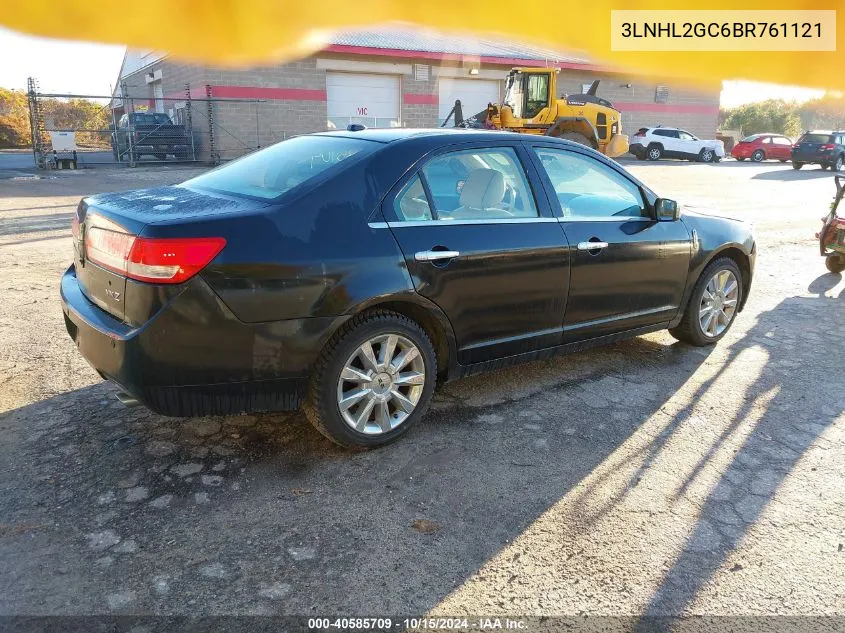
{"x":194,"y":357}
{"x":636,"y":149}
{"x":815,"y":157}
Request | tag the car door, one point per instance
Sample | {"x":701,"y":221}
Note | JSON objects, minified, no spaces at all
{"x":688,"y":145}
{"x":669,"y":140}
{"x":627,"y":269}
{"x":482,"y":246}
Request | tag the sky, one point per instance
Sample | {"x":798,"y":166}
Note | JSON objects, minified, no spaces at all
{"x":83,"y":68}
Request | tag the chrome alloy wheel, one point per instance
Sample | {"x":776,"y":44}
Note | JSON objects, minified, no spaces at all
{"x":381,"y":384}
{"x":718,"y":303}
{"x":707,"y":155}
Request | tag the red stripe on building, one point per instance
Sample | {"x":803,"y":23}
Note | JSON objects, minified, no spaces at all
{"x":256,"y":92}
{"x":345,"y":49}
{"x":413,"y":99}
{"x":673,"y":108}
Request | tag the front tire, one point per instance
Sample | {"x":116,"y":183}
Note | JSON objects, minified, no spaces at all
{"x":713,"y":305}
{"x":373,"y":380}
{"x":706,"y":155}
{"x":758,"y":156}
{"x":576,"y":137}
{"x":740,"y":159}
{"x":835,"y":262}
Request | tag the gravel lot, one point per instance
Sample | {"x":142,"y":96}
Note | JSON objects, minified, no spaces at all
{"x":645,"y":478}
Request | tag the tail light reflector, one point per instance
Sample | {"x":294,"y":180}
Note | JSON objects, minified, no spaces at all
{"x":156,"y":260}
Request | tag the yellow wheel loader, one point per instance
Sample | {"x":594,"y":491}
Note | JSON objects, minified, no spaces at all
{"x":531,"y":107}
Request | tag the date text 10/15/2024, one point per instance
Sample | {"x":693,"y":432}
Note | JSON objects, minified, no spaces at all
{"x":417,"y":624}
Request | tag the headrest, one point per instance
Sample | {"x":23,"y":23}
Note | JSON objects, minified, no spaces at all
{"x":483,"y":188}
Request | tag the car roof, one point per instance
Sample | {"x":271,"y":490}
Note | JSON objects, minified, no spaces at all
{"x":392,"y":134}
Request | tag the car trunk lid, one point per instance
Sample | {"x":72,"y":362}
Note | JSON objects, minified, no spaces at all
{"x":110,"y":246}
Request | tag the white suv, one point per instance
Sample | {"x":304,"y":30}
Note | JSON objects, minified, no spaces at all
{"x":655,"y":143}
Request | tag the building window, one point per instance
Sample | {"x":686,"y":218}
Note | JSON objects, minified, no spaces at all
{"x":420,"y":72}
{"x":661,"y":94}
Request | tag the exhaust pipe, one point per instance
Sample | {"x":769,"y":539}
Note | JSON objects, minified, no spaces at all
{"x":127,"y":401}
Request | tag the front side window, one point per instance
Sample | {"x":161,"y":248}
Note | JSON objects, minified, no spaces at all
{"x":686,"y":136}
{"x":587,"y":189}
{"x":279,"y":168}
{"x":479,"y":184}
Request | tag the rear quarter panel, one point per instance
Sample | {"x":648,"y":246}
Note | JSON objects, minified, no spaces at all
{"x":313,"y":255}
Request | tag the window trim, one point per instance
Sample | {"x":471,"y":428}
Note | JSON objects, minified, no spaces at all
{"x":535,"y":183}
{"x":647,"y":196}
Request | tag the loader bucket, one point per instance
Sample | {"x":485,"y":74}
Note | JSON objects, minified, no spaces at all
{"x":617,"y":146}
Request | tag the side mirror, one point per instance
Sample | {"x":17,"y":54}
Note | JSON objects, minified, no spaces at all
{"x":666,"y":210}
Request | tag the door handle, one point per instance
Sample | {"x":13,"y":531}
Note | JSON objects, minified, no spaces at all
{"x":592,"y":246}
{"x":434,"y":256}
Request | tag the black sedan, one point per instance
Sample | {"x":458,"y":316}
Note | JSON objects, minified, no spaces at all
{"x":348,"y":272}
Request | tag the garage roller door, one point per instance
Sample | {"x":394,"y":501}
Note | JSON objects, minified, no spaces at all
{"x":358,"y":98}
{"x":474,"y":94}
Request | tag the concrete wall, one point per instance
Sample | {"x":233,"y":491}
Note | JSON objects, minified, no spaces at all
{"x":257,"y":107}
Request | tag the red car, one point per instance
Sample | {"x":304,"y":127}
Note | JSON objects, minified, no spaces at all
{"x":759,"y":147}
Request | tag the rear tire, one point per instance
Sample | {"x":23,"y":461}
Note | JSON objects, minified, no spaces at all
{"x":758,"y":156}
{"x":384,"y":421}
{"x":654,"y":152}
{"x":690,"y":329}
{"x":835,"y":262}
{"x":797,"y":165}
{"x":824,"y":166}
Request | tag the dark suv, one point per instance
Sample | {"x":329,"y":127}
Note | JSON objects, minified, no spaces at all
{"x":822,"y":148}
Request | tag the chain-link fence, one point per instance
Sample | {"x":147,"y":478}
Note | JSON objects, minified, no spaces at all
{"x":71,"y":130}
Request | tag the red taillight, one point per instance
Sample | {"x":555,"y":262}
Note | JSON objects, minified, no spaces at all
{"x":156,"y":260}
{"x":171,"y":260}
{"x":640,"y":134}
{"x":795,"y":146}
{"x":828,"y":146}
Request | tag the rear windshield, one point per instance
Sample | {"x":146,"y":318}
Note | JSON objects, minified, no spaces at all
{"x":814,"y":138}
{"x":154,"y":119}
{"x":279,"y":168}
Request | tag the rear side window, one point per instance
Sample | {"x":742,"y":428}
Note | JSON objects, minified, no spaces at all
{"x":411,"y":205}
{"x":479,"y":184}
{"x":279,"y":168}
{"x":668,"y":133}
{"x":781,"y":140}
